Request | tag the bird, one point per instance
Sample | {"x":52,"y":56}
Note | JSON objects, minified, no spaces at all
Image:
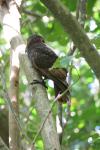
{"x":42,"y":57}
{"x":39,"y":53}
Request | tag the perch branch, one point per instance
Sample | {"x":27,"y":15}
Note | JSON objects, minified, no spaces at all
{"x":48,"y":132}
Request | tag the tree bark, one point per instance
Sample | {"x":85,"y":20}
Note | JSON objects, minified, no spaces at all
{"x":77,"y":34}
{"x":49,"y":134}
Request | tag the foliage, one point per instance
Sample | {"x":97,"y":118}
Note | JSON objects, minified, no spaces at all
{"x":83,"y":129}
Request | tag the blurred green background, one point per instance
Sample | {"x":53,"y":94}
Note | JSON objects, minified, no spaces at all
{"x":83,"y":129}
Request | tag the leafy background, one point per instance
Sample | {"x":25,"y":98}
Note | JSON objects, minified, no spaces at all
{"x":83,"y":129}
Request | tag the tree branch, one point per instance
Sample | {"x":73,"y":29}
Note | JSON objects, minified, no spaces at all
{"x":48,"y":132}
{"x":11,"y":32}
{"x":77,"y":34}
{"x":31,"y":13}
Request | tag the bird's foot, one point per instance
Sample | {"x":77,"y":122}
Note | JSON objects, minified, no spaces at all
{"x":42,"y":82}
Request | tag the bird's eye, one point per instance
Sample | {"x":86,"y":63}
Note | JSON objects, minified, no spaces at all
{"x":43,"y":41}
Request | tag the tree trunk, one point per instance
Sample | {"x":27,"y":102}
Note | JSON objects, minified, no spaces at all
{"x":9,"y":18}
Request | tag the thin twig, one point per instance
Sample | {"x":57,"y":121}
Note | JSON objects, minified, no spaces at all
{"x":3,"y":144}
{"x":77,"y":9}
{"x":31,"y":13}
{"x":80,"y":14}
{"x":73,"y":47}
{"x":42,"y":125}
{"x":83,"y":12}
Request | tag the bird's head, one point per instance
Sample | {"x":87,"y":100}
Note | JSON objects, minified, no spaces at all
{"x":33,"y":39}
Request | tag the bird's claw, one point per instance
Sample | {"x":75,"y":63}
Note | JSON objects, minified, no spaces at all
{"x":42,"y":82}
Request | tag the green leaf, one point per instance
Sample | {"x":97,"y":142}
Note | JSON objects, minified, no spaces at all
{"x":96,"y":41}
{"x":63,"y":62}
{"x":2,"y":41}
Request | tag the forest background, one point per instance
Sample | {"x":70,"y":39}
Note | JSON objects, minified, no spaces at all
{"x":18,"y":21}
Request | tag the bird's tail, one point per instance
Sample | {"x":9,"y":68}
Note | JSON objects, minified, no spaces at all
{"x":60,"y":85}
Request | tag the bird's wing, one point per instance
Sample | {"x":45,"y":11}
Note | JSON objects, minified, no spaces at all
{"x":45,"y":50}
{"x":58,"y":75}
